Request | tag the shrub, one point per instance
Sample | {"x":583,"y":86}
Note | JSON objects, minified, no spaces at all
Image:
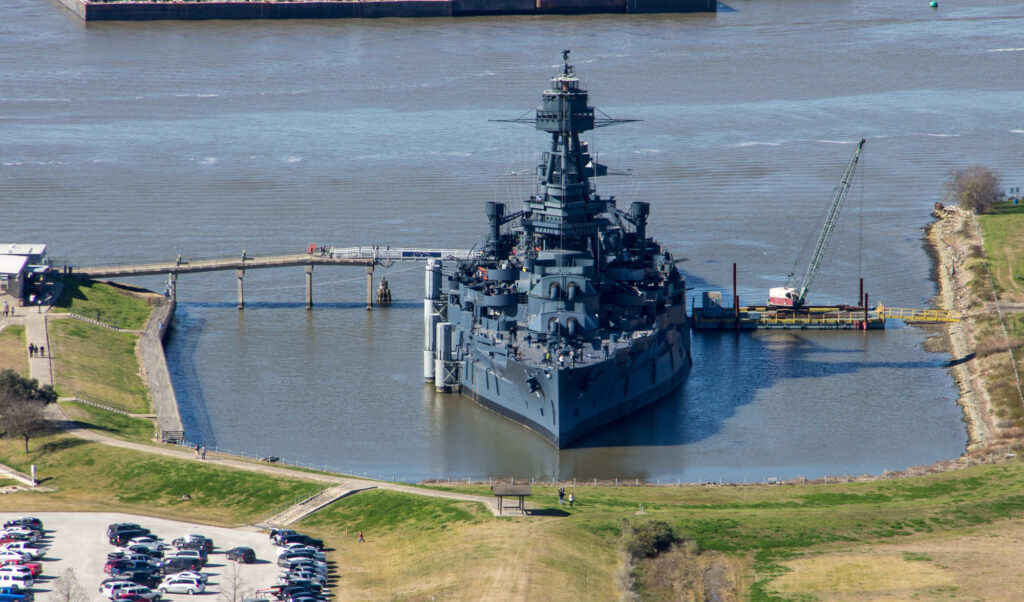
{"x":647,"y":539}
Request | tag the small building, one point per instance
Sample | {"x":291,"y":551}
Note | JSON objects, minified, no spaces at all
{"x":12,"y":275}
{"x":35,"y":252}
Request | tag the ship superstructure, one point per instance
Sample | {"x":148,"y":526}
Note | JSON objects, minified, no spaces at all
{"x":571,"y":317}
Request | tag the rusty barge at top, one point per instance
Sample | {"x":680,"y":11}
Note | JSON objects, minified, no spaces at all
{"x":153,"y":10}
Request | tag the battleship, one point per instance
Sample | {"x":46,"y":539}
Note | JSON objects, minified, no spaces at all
{"x":570,"y":317}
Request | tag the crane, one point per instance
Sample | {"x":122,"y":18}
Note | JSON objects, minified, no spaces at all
{"x":791,"y":296}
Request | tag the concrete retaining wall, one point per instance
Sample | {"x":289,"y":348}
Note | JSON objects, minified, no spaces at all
{"x":96,"y":10}
{"x":151,"y":346}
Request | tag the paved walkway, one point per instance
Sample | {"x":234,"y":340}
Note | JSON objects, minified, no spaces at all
{"x":41,"y":369}
{"x":40,"y":366}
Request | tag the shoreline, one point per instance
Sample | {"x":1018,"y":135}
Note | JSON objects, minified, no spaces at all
{"x":950,"y":238}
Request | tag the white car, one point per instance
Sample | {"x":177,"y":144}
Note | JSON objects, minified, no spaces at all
{"x":150,"y":542}
{"x":195,"y":574}
{"x":16,"y":569}
{"x":26,"y":548}
{"x":139,"y":590}
{"x":177,"y":584}
{"x":111,"y":589}
{"x":7,"y":556}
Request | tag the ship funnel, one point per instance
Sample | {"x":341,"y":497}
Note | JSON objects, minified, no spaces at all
{"x":495,"y":214}
{"x":639,"y":212}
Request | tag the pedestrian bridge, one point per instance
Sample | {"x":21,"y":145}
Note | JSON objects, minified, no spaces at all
{"x":366,"y":256}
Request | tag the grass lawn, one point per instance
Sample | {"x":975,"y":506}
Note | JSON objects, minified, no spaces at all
{"x":14,"y":349}
{"x":93,"y":477}
{"x":772,"y":525}
{"x":422,"y":548}
{"x":114,"y":305}
{"x":99,"y":363}
{"x":110,"y":423}
{"x":1003,"y":232}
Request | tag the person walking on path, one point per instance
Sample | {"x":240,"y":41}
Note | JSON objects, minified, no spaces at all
{"x":197,"y":452}
{"x":561,"y":495}
{"x":361,"y":540}
{"x":572,"y":500}
{"x":31,"y":350}
{"x":42,"y":351}
{"x":203,"y":452}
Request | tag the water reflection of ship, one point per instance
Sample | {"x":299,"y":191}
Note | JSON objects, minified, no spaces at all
{"x":572,"y":317}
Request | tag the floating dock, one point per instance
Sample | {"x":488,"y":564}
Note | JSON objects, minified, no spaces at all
{"x":758,"y":317}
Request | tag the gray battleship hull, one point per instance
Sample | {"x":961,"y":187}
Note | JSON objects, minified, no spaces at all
{"x":574,"y":401}
{"x":571,"y":317}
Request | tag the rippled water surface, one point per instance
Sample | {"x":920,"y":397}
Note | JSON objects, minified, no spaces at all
{"x":127,"y":141}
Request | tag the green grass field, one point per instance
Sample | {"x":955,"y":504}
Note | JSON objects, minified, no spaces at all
{"x":13,"y":352}
{"x":104,"y":303}
{"x":1003,"y":233}
{"x":90,"y":476}
{"x":140,"y":430}
{"x":99,"y":363}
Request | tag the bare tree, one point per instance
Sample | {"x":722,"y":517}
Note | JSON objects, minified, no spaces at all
{"x":232,"y":587}
{"x":974,"y":188}
{"x":67,"y":588}
{"x":21,"y":417}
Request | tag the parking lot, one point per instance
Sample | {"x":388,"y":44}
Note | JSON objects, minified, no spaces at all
{"x":78,"y":540}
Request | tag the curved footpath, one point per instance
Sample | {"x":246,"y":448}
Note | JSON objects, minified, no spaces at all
{"x":40,"y":369}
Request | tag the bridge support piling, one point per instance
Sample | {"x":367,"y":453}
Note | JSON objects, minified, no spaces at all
{"x":369,"y":288}
{"x":241,"y":299}
{"x":309,"y":287}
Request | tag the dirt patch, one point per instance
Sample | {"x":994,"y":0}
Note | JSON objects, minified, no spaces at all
{"x":861,"y":577}
{"x":978,"y":565}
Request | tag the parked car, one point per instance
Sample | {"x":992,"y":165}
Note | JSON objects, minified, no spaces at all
{"x":16,"y":569}
{"x":308,"y":575}
{"x":13,"y":557}
{"x":27,"y":521}
{"x":138,"y":591}
{"x":294,"y":563}
{"x":303,"y":539}
{"x":194,"y":542}
{"x":182,"y":585}
{"x":200,"y":576}
{"x":123,"y":538}
{"x":277,"y":534}
{"x":244,"y":555}
{"x":19,"y":580}
{"x":114,"y":527}
{"x":197,"y":555}
{"x":149,"y":578}
{"x":20,"y":533}
{"x":35,"y":567}
{"x":36,"y":551}
{"x":14,"y":594}
{"x":141,"y":548}
{"x":177,"y":564}
{"x":149,"y":541}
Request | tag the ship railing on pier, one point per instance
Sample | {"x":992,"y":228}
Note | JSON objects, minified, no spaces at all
{"x":387,"y":254}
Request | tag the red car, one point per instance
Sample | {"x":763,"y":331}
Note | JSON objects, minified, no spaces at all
{"x":34,"y":567}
